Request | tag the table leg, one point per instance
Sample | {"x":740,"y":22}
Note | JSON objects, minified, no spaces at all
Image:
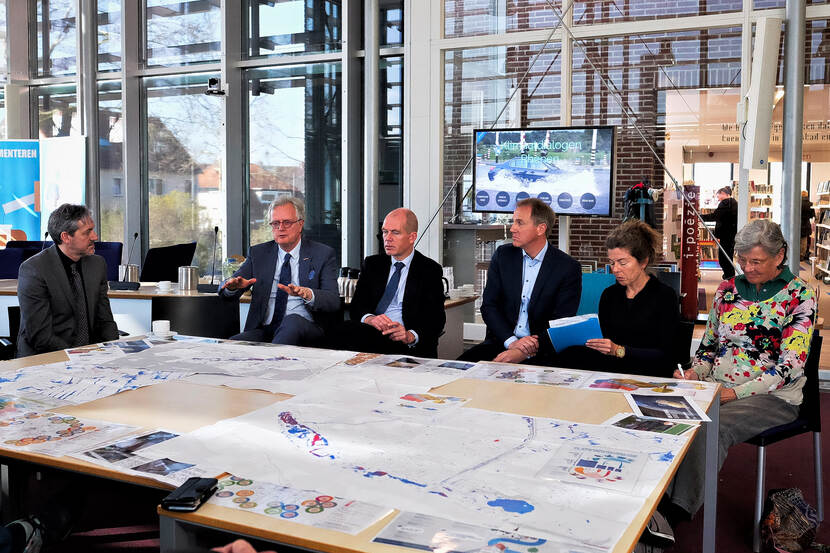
{"x":174,"y":536}
{"x":710,"y":482}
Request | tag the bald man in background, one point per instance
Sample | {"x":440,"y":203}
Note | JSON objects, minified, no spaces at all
{"x":398,"y":305}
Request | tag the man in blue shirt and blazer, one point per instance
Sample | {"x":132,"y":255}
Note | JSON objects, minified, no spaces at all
{"x":297,"y":281}
{"x":529,"y":283}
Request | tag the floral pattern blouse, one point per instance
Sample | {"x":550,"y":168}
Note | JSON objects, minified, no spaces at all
{"x":758,"y":347}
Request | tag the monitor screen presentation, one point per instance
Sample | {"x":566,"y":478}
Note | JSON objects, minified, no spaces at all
{"x":569,"y":168}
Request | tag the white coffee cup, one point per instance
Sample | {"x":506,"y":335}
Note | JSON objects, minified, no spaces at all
{"x":161,"y":327}
{"x":165,"y":285}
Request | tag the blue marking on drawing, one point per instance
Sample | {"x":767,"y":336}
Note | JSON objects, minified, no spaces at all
{"x":512,"y":505}
{"x":495,"y":541}
{"x":375,"y":473}
{"x":667,"y":457}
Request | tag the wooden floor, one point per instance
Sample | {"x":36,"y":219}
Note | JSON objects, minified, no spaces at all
{"x":710,"y":279}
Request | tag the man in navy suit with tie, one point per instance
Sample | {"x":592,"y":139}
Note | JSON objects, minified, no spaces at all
{"x":297,"y":281}
{"x":529,"y":283}
{"x":398,"y":305}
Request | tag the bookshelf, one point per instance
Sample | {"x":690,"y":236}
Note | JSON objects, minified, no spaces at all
{"x":822,"y":230}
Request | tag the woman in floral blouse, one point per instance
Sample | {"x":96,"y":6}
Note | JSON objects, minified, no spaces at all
{"x":756,"y":344}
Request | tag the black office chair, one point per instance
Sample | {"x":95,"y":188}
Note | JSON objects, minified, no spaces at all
{"x":10,"y":260}
{"x":14,"y":327}
{"x":210,"y":316}
{"x":809,"y":420}
{"x":111,"y":252}
{"x":683,"y":343}
{"x":29,"y":244}
{"x":163,"y":263}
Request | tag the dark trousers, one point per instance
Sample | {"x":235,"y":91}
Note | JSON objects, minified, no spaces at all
{"x":357,"y":336}
{"x":587,"y":359}
{"x":293,"y":331}
{"x":725,"y":261}
{"x":487,"y":351}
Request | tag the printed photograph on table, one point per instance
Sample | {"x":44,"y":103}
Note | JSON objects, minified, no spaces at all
{"x":125,"y":449}
{"x":404,"y":362}
{"x":430,"y":402}
{"x":670,"y":407}
{"x":633,"y":422}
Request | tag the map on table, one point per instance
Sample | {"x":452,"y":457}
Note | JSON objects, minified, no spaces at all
{"x":466,"y":465}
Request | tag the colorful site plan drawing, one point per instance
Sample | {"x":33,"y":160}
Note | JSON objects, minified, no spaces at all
{"x":612,"y":469}
{"x":301,"y":506}
{"x":549,"y":376}
{"x":56,"y":434}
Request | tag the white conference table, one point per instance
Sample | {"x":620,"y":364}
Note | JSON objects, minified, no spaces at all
{"x":183,"y":407}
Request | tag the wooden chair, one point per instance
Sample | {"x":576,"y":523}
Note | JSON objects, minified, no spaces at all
{"x":808,"y":420}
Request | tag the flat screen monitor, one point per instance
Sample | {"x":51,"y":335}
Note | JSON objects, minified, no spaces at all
{"x":569,"y":168}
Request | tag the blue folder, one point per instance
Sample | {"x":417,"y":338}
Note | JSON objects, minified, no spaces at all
{"x":575,"y":334}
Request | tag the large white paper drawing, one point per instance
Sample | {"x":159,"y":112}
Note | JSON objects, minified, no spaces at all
{"x":471,"y":465}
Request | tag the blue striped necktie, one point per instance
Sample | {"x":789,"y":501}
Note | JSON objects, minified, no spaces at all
{"x":391,"y":289}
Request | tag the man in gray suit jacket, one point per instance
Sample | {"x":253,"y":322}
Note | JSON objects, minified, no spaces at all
{"x":63,"y":289}
{"x":296,"y":281}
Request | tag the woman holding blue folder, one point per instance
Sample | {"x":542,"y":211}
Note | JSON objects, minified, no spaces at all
{"x":638,"y":314}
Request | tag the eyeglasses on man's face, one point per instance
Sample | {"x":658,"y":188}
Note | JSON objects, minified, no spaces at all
{"x":285,"y":223}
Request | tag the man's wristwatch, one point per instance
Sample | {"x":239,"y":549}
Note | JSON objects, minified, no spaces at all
{"x":620,"y":351}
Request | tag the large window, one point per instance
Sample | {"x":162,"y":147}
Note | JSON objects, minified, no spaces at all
{"x":184,"y":140}
{"x":295,"y":142}
{"x":183,"y":32}
{"x":2,"y":116}
{"x":478,"y":83}
{"x":293,"y":27}
{"x":391,"y":22}
{"x":109,"y":35}
{"x":4,"y":53}
{"x":111,"y":161}
{"x":56,"y":39}
{"x":56,"y":110}
{"x":390,"y":134}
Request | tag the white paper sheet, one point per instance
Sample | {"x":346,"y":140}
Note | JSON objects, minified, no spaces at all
{"x":529,"y":374}
{"x":467,"y":465}
{"x":312,"y":508}
{"x":56,"y":434}
{"x":431,"y":533}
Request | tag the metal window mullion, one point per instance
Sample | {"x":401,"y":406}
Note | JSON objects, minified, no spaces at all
{"x":18,"y":107}
{"x":746,"y":71}
{"x":235,"y":236}
{"x":136,"y":215}
{"x":351,"y":135}
{"x":791,"y":147}
{"x":87,"y":64}
{"x":566,"y":83}
{"x":371,"y":124}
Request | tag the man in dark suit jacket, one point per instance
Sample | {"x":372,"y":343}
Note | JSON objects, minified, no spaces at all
{"x":528,"y":284}
{"x":398,"y":305}
{"x":63,"y":289}
{"x":297,"y":281}
{"x":726,"y":227}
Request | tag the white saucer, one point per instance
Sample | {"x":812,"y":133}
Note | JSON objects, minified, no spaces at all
{"x":162,"y":335}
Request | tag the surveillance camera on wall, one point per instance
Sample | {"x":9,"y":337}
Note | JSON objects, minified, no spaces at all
{"x":214,"y":87}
